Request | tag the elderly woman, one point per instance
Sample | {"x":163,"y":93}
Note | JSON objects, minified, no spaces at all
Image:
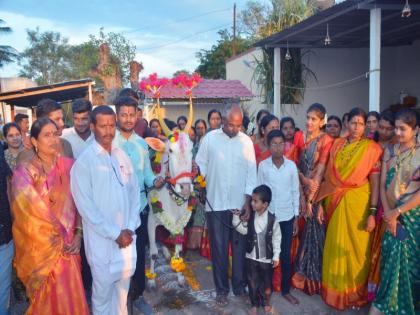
{"x":47,"y":228}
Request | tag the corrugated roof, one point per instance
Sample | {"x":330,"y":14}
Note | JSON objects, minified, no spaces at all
{"x":349,"y":24}
{"x":208,"y":89}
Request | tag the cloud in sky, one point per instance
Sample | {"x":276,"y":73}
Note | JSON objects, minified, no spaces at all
{"x":156,"y":33}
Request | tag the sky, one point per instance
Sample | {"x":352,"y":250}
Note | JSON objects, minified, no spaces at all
{"x":167,"y":33}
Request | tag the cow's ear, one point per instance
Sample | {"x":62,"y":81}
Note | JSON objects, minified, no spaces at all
{"x":156,"y":144}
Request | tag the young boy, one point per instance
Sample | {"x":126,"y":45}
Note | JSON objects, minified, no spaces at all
{"x":263,"y":250}
{"x":281,"y":175}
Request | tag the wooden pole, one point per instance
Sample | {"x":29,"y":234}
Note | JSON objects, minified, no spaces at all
{"x":12,"y":112}
{"x":234,"y":31}
{"x":90,"y":93}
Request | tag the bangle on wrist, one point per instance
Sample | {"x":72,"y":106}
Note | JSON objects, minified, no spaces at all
{"x":373,"y":210}
{"x":399,"y":210}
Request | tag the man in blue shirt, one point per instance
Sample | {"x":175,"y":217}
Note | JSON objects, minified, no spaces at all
{"x":137,"y":150}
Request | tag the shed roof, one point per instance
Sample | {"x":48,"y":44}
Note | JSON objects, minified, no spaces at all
{"x":59,"y":92}
{"x":208,"y":89}
{"x":349,"y":25}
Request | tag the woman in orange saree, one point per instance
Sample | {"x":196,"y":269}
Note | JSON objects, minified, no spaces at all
{"x":312,"y":163}
{"x":350,"y":193}
{"x":268,"y":123}
{"x":47,"y":228}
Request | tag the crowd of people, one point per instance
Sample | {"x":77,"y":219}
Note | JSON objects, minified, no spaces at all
{"x":333,"y":208}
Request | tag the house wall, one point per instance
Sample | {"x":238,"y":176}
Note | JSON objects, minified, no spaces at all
{"x":400,"y":71}
{"x":242,"y":68}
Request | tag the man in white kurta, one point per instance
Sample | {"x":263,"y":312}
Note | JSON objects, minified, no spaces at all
{"x":227,"y":160}
{"x":107,"y":196}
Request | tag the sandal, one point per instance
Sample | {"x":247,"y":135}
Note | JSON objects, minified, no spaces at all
{"x":291,"y":299}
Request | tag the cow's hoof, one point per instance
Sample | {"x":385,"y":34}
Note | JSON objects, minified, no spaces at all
{"x":151,"y":284}
{"x":181,"y":280}
{"x":166,"y":253}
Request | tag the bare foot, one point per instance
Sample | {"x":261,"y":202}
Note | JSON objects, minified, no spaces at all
{"x":253,"y":311}
{"x":291,"y":299}
{"x":268,"y":309}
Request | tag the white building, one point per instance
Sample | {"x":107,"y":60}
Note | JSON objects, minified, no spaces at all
{"x":374,"y":55}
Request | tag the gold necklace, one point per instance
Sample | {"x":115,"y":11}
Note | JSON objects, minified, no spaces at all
{"x":345,"y":158}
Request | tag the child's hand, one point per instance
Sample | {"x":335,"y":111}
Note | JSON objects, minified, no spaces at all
{"x":276,"y":263}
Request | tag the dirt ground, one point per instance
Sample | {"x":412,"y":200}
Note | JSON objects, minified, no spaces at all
{"x":172,"y":299}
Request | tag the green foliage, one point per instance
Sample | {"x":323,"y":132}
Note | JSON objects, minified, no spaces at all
{"x":258,"y":21}
{"x":121,"y":49}
{"x":46,"y":60}
{"x":213,"y":61}
{"x":176,"y":73}
{"x":50,"y":59}
{"x":7,"y":53}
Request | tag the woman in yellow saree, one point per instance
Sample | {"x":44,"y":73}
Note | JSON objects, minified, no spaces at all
{"x":350,"y":193}
{"x":399,"y":288}
{"x":46,"y":228}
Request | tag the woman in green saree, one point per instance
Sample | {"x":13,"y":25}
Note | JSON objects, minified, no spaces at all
{"x":399,"y":289}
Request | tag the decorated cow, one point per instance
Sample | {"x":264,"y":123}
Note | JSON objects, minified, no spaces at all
{"x":172,"y":205}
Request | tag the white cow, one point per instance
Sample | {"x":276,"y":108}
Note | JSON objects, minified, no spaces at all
{"x":174,"y":195}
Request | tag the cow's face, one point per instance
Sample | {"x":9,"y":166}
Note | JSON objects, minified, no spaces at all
{"x":180,"y":160}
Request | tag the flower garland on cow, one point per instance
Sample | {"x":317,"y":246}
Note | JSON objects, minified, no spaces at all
{"x":177,"y":141}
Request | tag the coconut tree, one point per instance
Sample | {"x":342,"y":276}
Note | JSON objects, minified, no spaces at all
{"x":7,"y":53}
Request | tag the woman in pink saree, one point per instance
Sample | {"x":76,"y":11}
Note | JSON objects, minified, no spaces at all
{"x":47,"y":228}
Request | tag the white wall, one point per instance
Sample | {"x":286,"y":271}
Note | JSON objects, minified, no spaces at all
{"x":400,"y":70}
{"x":242,"y":68}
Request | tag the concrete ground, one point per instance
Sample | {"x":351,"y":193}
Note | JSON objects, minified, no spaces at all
{"x":171,"y":299}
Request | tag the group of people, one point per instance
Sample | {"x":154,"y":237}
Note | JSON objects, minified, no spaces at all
{"x":74,"y":206}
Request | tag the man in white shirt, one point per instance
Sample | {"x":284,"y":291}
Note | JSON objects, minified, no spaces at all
{"x":227,"y":160}
{"x":80,"y":136}
{"x":281,"y":175}
{"x":106,"y":192}
{"x":137,"y":150}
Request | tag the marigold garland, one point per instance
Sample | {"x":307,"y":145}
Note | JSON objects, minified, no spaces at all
{"x":177,"y":264}
{"x":150,"y":275}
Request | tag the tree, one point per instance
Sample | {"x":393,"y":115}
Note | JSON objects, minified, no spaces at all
{"x":46,"y":60}
{"x":7,"y":53}
{"x":213,"y":61}
{"x":258,"y":20}
{"x":122,"y":51}
{"x":177,"y":73}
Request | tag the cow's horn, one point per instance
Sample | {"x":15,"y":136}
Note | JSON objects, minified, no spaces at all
{"x":165,"y":128}
{"x":190,"y":117}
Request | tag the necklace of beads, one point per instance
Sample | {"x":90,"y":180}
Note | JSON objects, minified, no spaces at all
{"x":345,"y":157}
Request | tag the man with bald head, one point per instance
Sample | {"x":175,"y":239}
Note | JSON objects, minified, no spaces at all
{"x":227,"y":160}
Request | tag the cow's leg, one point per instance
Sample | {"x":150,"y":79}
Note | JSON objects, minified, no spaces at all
{"x":151,"y":229}
{"x":180,"y":276}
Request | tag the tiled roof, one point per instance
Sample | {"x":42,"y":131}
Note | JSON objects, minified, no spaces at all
{"x":219,"y":89}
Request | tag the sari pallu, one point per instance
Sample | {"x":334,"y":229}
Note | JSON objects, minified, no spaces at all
{"x":346,"y":191}
{"x":399,"y":288}
{"x":45,"y":218}
{"x":308,"y":262}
